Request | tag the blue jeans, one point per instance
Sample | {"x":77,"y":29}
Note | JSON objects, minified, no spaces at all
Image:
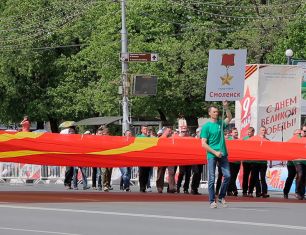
{"x":150,"y":176}
{"x":75,"y":176}
{"x":126,"y":175}
{"x":223,"y":163}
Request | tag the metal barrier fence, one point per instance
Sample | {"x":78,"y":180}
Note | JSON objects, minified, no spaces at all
{"x":27,"y":173}
{"x":22,"y":173}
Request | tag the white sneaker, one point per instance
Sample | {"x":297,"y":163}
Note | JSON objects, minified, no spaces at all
{"x":223,"y":202}
{"x":149,"y":190}
{"x":105,"y":189}
{"x":213,"y":205}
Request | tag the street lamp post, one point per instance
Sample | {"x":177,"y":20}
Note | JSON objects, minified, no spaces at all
{"x":289,"y":54}
{"x":124,"y":74}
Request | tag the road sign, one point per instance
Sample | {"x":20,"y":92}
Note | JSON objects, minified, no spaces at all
{"x":139,"y":57}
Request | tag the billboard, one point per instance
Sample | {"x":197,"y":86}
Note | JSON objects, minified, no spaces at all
{"x":302,"y":64}
{"x":225,"y":78}
{"x":272,"y":98}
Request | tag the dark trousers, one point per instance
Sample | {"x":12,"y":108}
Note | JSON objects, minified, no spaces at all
{"x":300,"y":179}
{"x":144,"y":173}
{"x":94,"y":177}
{"x":184,"y":171}
{"x":290,"y":178}
{"x":234,"y":170}
{"x":262,"y":187}
{"x":254,"y":177}
{"x":68,"y":176}
{"x":247,"y":168}
{"x":196,"y":177}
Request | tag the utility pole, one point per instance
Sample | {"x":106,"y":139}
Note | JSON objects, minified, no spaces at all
{"x":124,"y":74}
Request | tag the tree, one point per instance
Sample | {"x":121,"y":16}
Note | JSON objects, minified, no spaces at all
{"x":59,"y":59}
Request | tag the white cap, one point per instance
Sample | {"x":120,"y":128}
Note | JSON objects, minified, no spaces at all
{"x":65,"y":131}
{"x":87,"y":133}
{"x":160,"y":132}
{"x":198,"y":129}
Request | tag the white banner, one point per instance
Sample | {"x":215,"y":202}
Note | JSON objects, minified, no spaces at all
{"x":225,"y":78}
{"x":279,"y":92}
{"x":272,"y":98}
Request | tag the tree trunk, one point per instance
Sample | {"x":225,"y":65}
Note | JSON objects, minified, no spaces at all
{"x":54,"y":125}
{"x":162,"y":116}
{"x":192,"y":123}
{"x":40,"y":125}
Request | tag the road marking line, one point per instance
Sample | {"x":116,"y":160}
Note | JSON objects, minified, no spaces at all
{"x":166,"y":217}
{"x":247,"y":209}
{"x":36,"y":231}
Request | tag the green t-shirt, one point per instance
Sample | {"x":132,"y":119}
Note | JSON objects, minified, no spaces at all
{"x":215,"y":137}
{"x":299,"y":162}
{"x":142,"y":135}
{"x":290,"y":163}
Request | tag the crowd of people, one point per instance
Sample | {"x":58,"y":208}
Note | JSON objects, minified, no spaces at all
{"x":213,"y":135}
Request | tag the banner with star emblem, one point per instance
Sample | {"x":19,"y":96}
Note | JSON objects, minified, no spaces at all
{"x":225,"y":77}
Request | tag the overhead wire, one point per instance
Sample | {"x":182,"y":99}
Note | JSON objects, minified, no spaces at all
{"x":232,"y":17}
{"x":273,"y":6}
{"x":190,"y":26}
{"x":51,"y":29}
{"x":49,"y":8}
{"x":28,"y":26}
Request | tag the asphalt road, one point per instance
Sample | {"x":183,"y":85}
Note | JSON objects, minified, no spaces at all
{"x":42,"y":209}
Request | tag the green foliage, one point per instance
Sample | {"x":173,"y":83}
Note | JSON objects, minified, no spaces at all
{"x":59,"y":59}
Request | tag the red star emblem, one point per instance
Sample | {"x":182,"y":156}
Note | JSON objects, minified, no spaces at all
{"x":246,"y":104}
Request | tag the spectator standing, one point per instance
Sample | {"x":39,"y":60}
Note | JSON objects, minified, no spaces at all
{"x":184,"y":171}
{"x":97,"y":171}
{"x":83,"y":172}
{"x":291,"y":169}
{"x":300,"y":167}
{"x":106,"y":172}
{"x":26,"y":124}
{"x":259,"y":170}
{"x":144,"y":172}
{"x":162,"y":170}
{"x":126,"y":171}
{"x":69,"y":169}
{"x":197,"y":171}
{"x":234,"y":168}
{"x":247,"y":168}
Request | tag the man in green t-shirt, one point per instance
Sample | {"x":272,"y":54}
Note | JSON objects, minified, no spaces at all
{"x":234,"y":168}
{"x":213,"y":142}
